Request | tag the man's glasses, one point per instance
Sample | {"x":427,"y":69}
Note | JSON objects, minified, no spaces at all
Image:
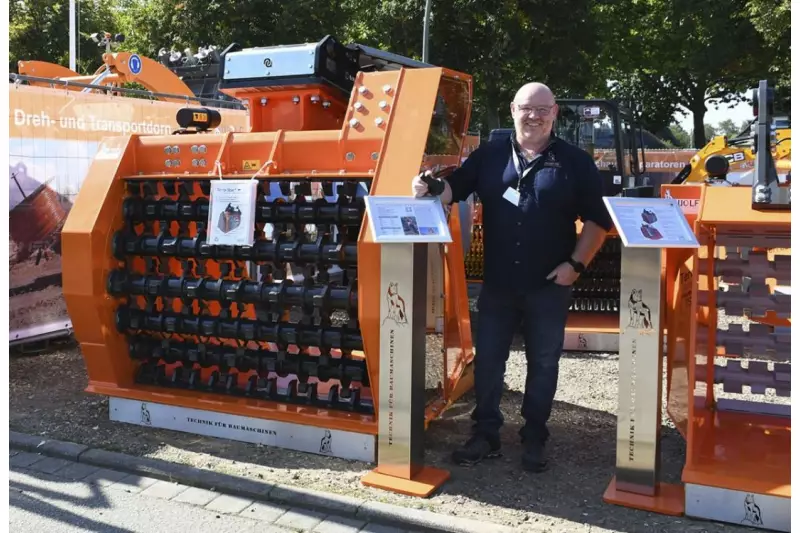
{"x":539,"y":110}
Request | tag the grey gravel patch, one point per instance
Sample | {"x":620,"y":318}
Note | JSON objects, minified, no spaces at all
{"x":265,"y":512}
{"x":25,"y":459}
{"x":228,"y":504}
{"x":50,"y":465}
{"x":300,"y":519}
{"x":195,"y":496}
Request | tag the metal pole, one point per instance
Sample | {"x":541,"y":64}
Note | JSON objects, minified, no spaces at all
{"x":426,"y":31}
{"x":72,"y":36}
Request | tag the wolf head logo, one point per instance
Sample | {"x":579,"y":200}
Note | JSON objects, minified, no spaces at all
{"x":640,"y":316}
{"x":752,"y":512}
{"x":396,"y":305}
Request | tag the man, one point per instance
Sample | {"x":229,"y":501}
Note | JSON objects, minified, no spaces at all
{"x":533,"y":188}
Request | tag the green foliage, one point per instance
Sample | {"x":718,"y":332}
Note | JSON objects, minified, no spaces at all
{"x":671,"y":56}
{"x":39,"y":30}
{"x":681,"y":135}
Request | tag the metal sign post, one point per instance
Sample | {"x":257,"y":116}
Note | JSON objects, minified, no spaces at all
{"x":404,"y":227}
{"x":646,"y":226}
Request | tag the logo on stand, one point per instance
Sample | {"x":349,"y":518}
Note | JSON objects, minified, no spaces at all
{"x":325,"y":445}
{"x":396,"y":305}
{"x":146,"y":420}
{"x":752,"y":512}
{"x":639,"y":312}
{"x":583,"y":344}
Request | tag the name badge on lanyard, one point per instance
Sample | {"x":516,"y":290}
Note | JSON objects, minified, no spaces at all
{"x":512,"y":194}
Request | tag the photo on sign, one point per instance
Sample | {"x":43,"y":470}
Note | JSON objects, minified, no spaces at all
{"x":649,"y":229}
{"x":409,"y":225}
{"x":230,"y":219}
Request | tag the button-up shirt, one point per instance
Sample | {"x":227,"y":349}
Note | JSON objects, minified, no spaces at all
{"x":523,"y":243}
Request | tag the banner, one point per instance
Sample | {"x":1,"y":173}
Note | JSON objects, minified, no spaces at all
{"x":53,"y":137}
{"x":669,"y":161}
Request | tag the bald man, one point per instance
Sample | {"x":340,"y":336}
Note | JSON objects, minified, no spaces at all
{"x":533,"y":188}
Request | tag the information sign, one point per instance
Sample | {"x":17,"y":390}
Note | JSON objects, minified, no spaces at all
{"x":403,"y":219}
{"x":231,"y":212}
{"x":650,"y":222}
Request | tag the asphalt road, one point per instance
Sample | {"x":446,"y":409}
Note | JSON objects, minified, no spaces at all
{"x":59,"y":496}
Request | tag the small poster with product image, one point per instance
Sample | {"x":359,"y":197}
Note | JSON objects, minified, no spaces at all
{"x":232,"y":212}
{"x":650,"y":222}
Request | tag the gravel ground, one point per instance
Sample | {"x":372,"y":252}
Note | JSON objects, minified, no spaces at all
{"x":47,"y":398}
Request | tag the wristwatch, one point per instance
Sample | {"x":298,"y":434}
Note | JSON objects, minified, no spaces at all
{"x":577,"y":265}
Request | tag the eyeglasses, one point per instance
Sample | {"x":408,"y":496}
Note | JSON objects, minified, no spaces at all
{"x":539,"y":110}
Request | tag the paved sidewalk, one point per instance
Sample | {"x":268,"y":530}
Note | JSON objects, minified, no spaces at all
{"x":58,"y":495}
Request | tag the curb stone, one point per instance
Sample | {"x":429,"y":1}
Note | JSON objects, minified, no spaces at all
{"x":53,"y":448}
{"x":312,"y":500}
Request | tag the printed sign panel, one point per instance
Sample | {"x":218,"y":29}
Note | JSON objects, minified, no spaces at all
{"x":53,"y":137}
{"x":310,"y":439}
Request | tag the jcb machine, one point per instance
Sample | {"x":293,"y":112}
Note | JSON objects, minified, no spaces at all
{"x":609,"y":132}
{"x":739,"y":155}
{"x":235,"y":285}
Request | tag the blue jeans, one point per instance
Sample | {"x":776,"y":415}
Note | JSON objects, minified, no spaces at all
{"x":543,"y":314}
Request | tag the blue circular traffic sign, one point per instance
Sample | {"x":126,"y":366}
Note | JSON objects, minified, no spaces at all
{"x":135,"y":64}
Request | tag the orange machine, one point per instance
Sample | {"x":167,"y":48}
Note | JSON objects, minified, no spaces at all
{"x":276,"y":340}
{"x":727,"y":314}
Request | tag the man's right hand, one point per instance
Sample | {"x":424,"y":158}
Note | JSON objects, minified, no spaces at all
{"x":418,"y":186}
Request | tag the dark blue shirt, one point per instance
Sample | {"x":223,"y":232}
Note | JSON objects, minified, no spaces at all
{"x":524,"y":243}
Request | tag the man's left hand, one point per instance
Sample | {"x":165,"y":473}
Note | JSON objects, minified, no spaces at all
{"x":563,"y":274}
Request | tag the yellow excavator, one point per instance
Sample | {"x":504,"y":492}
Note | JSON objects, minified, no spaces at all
{"x":740,"y":157}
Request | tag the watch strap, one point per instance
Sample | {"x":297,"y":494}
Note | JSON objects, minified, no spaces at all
{"x":577,"y":265}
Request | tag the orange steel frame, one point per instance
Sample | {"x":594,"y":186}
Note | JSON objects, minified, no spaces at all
{"x":732,"y":450}
{"x":389,"y":153}
{"x":720,"y":445}
{"x":153,"y":75}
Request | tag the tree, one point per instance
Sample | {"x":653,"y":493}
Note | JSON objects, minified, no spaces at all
{"x":695,"y":54}
{"x":773,"y":21}
{"x":150,"y":25}
{"x":728,"y":128}
{"x":501,"y":44}
{"x":39,"y":30}
{"x":710,"y":132}
{"x":681,"y":135}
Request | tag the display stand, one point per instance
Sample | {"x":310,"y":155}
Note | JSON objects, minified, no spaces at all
{"x":646,"y":226}
{"x":404,"y":227}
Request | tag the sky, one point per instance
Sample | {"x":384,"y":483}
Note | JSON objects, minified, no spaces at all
{"x":739,"y":113}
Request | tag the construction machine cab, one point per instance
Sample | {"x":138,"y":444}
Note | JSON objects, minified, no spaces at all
{"x":610,"y":133}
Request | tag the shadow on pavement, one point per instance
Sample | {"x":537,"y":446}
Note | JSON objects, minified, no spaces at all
{"x":41,"y":501}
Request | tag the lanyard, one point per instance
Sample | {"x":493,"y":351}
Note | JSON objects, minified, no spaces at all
{"x":521,"y":173}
